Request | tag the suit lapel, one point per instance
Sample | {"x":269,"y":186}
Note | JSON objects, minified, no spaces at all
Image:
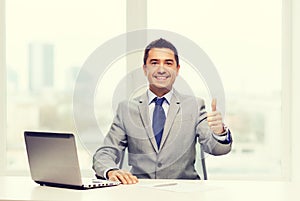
{"x":144,"y":112}
{"x":172,"y":113}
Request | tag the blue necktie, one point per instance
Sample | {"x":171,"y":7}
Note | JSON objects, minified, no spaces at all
{"x":159,"y":119}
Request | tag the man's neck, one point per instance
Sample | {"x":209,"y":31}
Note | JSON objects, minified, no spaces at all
{"x":159,"y":92}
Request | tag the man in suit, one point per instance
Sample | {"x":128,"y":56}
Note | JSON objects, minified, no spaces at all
{"x":161,"y":127}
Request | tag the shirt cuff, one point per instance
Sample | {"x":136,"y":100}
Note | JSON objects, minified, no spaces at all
{"x":107,"y":170}
{"x":221,"y":137}
{"x":225,"y":137}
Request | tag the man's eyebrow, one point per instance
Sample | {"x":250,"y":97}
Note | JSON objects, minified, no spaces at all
{"x":154,"y":59}
{"x":166,"y":60}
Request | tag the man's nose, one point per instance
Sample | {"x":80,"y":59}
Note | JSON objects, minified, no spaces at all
{"x":161,"y":69}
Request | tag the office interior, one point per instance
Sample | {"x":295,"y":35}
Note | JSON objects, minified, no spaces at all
{"x":254,"y":46}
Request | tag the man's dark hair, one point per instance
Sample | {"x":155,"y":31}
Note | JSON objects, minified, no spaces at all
{"x":161,"y":43}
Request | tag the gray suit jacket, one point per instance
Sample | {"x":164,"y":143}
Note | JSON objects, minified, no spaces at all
{"x":131,"y":128}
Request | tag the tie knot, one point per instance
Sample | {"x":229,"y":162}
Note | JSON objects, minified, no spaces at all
{"x":159,"y":101}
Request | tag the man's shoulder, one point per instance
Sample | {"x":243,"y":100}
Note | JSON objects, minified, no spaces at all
{"x":138,"y":100}
{"x":188,"y":98}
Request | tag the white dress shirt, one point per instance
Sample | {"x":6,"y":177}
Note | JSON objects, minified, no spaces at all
{"x":165,"y":104}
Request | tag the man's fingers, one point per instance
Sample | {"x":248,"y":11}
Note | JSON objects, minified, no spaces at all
{"x":129,"y":178}
{"x":134,"y":179}
{"x":215,"y":122}
{"x":123,"y":176}
{"x":214,"y":105}
{"x":217,"y":129}
{"x":114,"y":178}
{"x":214,"y":116}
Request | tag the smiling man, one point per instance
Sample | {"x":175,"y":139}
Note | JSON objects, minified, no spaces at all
{"x":161,"y":127}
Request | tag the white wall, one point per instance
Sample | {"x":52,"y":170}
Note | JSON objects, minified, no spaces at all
{"x":2,"y":85}
{"x":295,"y":101}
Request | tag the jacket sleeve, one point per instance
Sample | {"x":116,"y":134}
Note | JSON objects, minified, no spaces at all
{"x":111,"y":151}
{"x":208,"y":142}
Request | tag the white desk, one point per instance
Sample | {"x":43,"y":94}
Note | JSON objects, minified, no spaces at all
{"x":23,"y":188}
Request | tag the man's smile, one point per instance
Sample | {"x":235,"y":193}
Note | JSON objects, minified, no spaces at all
{"x":161,"y":77}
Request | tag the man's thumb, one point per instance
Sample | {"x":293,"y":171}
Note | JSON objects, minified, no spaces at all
{"x":214,"y":104}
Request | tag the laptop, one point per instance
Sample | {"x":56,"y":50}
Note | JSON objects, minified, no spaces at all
{"x":53,"y":161}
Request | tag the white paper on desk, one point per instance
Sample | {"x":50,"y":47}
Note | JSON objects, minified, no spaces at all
{"x":182,"y":187}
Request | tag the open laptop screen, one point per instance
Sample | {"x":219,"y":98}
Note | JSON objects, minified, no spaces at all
{"x":53,"y":158}
{"x":53,"y":161}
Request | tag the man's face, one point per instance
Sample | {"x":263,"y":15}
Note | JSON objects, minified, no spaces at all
{"x":161,"y":70}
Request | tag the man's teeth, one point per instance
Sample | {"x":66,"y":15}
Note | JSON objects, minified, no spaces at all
{"x":161,"y":77}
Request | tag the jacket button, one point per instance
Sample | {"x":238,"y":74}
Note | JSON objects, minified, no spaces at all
{"x":159,"y":165}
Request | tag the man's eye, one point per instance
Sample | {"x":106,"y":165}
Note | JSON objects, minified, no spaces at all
{"x":154,"y":63}
{"x":169,"y":63}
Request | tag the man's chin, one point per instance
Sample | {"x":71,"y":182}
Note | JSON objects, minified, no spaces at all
{"x":161,"y":87}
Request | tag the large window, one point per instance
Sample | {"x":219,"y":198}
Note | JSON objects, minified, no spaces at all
{"x":47,"y":43}
{"x":246,"y":49}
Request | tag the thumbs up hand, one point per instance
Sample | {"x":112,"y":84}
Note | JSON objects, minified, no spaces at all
{"x":214,"y":119}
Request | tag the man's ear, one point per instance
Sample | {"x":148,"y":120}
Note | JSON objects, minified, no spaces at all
{"x":145,"y":70}
{"x":177,"y":71}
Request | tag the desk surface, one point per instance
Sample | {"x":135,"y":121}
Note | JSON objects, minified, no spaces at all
{"x":23,"y":188}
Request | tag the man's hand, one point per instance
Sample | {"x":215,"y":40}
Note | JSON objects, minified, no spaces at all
{"x":123,"y":176}
{"x":214,"y":119}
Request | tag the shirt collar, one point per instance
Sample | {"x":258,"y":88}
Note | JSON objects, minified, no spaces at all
{"x":167,"y":96}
